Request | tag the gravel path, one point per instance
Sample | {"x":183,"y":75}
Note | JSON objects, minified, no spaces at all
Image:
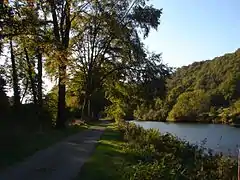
{"x":61,"y":161}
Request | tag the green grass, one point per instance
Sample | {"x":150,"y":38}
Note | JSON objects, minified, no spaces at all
{"x":107,"y":159}
{"x":16,"y":145}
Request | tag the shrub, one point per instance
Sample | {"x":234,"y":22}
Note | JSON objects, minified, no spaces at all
{"x":148,"y":171}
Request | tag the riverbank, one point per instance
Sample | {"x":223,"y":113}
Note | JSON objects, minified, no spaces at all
{"x":127,"y":151}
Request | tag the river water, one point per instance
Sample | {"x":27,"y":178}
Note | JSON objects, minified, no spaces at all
{"x":218,"y":137}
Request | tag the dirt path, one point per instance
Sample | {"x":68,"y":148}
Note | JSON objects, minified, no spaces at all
{"x":61,"y":161}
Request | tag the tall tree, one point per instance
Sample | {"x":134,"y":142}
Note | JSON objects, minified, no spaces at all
{"x":16,"y":92}
{"x":39,"y":78}
{"x":108,"y":42}
{"x":61,"y":17}
{"x":30,"y":70}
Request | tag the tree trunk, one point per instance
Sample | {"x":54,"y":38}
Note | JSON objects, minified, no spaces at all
{"x":16,"y":93}
{"x":87,"y":110}
{"x":62,"y":34}
{"x":39,"y":89}
{"x":89,"y":114}
{"x":86,"y":102}
{"x":83,"y":114}
{"x":61,"y":115}
{"x":30,"y":74}
{"x":39,"y":80}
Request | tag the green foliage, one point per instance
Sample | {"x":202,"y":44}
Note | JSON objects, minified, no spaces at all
{"x":189,"y":106}
{"x":218,"y":80}
{"x":141,"y":112}
{"x":50,"y":102}
{"x":147,"y":171}
{"x":157,"y":112}
{"x":116,"y":111}
{"x":122,"y":100}
{"x":229,"y":115}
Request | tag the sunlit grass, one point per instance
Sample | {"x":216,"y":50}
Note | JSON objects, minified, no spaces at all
{"x":107,"y":158}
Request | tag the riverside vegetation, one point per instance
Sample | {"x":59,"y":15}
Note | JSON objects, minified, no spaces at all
{"x":127,"y":151}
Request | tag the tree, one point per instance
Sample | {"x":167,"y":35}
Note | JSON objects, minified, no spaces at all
{"x":61,"y":30}
{"x":14,"y":79}
{"x":189,"y":106}
{"x":109,"y":43}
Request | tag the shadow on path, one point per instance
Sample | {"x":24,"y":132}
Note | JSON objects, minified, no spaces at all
{"x":61,"y":161}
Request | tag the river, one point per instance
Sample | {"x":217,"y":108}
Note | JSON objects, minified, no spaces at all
{"x":218,"y":137}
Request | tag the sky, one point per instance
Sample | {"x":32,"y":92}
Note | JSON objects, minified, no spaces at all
{"x":195,"y":30}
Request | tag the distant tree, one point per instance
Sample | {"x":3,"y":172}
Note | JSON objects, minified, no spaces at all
{"x":189,"y":106}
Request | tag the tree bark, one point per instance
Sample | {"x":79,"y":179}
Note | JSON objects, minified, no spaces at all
{"x":39,"y":89}
{"x":16,"y":93}
{"x":30,"y":74}
{"x":61,"y":115}
{"x":86,"y":104}
{"x":39,"y":79}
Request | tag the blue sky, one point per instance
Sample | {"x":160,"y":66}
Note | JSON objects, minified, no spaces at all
{"x":195,"y":30}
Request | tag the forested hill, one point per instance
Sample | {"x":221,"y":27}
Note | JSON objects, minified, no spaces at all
{"x":203,"y":91}
{"x":219,"y":75}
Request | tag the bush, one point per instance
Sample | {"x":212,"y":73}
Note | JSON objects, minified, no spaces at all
{"x":147,"y":171}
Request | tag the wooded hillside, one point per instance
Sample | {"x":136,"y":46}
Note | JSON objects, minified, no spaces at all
{"x":203,"y":91}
